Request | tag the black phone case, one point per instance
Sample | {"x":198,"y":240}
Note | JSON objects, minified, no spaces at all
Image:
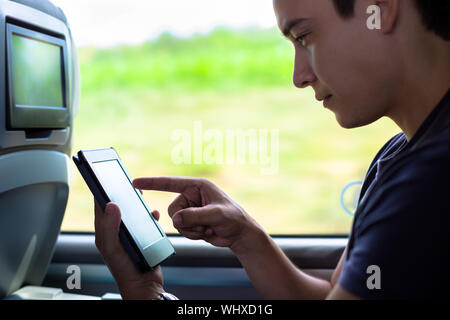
{"x":102,"y":199}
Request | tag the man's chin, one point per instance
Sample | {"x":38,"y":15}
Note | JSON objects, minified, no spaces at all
{"x":347,"y":122}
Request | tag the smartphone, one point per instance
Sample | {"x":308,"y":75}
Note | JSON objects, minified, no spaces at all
{"x":140,"y":234}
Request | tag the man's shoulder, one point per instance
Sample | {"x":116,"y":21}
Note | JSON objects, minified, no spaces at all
{"x":412,"y":178}
{"x":435,"y":150}
{"x":403,"y":221}
{"x":437,"y":144}
{"x":428,"y":159}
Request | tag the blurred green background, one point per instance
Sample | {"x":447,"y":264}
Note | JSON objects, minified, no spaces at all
{"x":135,"y":97}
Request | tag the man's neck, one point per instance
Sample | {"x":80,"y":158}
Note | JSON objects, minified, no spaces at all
{"x":422,"y":88}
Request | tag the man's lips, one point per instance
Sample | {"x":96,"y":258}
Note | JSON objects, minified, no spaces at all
{"x":323,"y":98}
{"x":326,"y":100}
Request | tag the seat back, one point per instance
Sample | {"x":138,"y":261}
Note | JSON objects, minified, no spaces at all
{"x":39,"y":96}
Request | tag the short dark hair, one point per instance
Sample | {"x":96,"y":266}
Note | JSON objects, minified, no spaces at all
{"x":435,"y":14}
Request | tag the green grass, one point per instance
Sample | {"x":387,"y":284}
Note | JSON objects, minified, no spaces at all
{"x":134,"y":98}
{"x":221,"y":60}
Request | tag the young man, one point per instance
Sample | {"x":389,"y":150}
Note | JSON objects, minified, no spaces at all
{"x":399,"y":69}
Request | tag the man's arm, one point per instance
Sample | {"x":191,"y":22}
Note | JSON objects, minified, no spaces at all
{"x":339,"y":293}
{"x":276,"y":277}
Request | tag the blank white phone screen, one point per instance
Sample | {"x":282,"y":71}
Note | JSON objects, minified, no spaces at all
{"x":120,"y":191}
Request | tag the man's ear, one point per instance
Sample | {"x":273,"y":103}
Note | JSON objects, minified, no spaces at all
{"x":389,"y":14}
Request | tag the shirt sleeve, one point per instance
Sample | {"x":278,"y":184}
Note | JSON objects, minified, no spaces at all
{"x":400,"y":246}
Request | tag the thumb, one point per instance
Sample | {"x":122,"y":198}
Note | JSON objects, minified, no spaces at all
{"x":108,"y":232}
{"x":209,"y":215}
{"x":112,"y":217}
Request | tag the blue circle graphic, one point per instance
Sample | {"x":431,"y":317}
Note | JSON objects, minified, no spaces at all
{"x":351,"y":184}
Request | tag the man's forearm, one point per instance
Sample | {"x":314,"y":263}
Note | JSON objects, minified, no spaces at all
{"x":273,"y":274}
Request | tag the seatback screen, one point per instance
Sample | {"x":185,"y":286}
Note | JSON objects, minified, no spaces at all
{"x":38,"y":77}
{"x":121,"y":191}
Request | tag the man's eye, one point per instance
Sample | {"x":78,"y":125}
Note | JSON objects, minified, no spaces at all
{"x":302,"y":40}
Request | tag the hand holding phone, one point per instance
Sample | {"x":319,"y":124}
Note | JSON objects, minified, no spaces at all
{"x":140,"y":234}
{"x":132,"y":283}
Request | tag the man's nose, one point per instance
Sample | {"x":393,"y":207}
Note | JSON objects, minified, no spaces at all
{"x":304,"y":75}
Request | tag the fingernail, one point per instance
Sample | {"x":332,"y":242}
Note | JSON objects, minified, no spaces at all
{"x":177,"y":221}
{"x":135,"y":184}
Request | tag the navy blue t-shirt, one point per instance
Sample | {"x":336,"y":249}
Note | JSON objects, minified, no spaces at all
{"x":399,"y":246}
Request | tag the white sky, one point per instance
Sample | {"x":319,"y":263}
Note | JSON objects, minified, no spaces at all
{"x":111,"y":22}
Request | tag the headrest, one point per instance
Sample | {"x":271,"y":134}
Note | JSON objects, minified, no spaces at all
{"x":44,"y":6}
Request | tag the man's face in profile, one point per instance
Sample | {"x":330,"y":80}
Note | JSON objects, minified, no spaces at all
{"x":346,"y":64}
